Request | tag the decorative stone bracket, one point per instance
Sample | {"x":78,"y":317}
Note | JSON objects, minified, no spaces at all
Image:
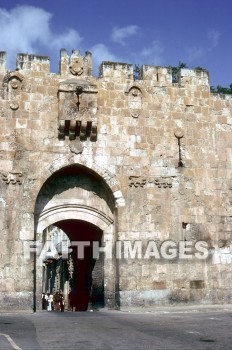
{"x":77,"y":110}
{"x":77,"y":129}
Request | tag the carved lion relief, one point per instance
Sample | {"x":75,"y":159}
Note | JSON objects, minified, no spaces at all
{"x":11,"y":177}
{"x":160,"y":182}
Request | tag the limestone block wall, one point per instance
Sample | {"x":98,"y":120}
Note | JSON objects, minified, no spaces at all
{"x":163,"y":149}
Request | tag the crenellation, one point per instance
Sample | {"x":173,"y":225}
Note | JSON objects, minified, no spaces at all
{"x":33,"y":63}
{"x":193,"y":77}
{"x":2,"y":61}
{"x":116,"y":70}
{"x":159,"y":76}
{"x":75,"y":65}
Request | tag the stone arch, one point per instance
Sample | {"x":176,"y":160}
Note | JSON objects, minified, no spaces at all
{"x":43,"y":209}
{"x":71,"y":194}
{"x":63,"y":161}
{"x":79,"y":212}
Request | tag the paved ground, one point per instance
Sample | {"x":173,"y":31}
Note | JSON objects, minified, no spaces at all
{"x":161,"y":329}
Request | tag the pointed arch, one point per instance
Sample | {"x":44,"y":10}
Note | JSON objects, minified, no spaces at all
{"x":108,"y":178}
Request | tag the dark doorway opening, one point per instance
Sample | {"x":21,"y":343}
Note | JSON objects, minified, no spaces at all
{"x":87,"y":284}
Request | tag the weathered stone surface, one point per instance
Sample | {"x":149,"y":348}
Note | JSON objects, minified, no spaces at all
{"x":143,"y":160}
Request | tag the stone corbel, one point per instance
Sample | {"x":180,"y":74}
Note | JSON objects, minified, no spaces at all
{"x":77,"y":130}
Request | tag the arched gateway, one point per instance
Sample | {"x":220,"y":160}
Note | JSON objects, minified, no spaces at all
{"x":78,"y":201}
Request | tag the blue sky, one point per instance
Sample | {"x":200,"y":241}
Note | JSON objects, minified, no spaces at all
{"x":156,"y":32}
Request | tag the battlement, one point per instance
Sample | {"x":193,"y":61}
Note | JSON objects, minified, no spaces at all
{"x":75,"y":64}
{"x":2,"y":60}
{"x":193,"y":76}
{"x":115,"y":70}
{"x":32,"y":62}
{"x":27,"y":62}
{"x":81,"y":66}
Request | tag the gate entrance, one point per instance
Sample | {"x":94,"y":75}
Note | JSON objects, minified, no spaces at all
{"x":87,"y":280}
{"x":80,"y":204}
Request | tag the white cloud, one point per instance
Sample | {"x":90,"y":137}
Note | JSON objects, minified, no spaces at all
{"x":100,"y":52}
{"x":25,"y":28}
{"x":153,"y":54}
{"x":194,"y":53}
{"x":70,"y":39}
{"x":149,"y":55}
{"x":214,"y":36}
{"x":119,"y":35}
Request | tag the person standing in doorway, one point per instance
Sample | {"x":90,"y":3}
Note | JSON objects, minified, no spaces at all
{"x":56,"y":299}
{"x":44,"y":302}
{"x":49,"y":302}
{"x":71,"y":297}
{"x":61,"y":301}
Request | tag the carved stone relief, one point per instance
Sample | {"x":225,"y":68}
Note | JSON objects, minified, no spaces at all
{"x":76,"y":147}
{"x":135,"y":101}
{"x":15,"y":80}
{"x":141,"y":181}
{"x":3,"y":113}
{"x":14,"y":105}
{"x":76,"y":67}
{"x":13,"y":84}
{"x":179,"y":133}
{"x":11,"y":177}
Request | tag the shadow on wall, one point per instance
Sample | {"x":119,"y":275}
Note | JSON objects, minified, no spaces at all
{"x":69,"y":181}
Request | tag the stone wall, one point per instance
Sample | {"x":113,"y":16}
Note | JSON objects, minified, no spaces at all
{"x":161,"y":150}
